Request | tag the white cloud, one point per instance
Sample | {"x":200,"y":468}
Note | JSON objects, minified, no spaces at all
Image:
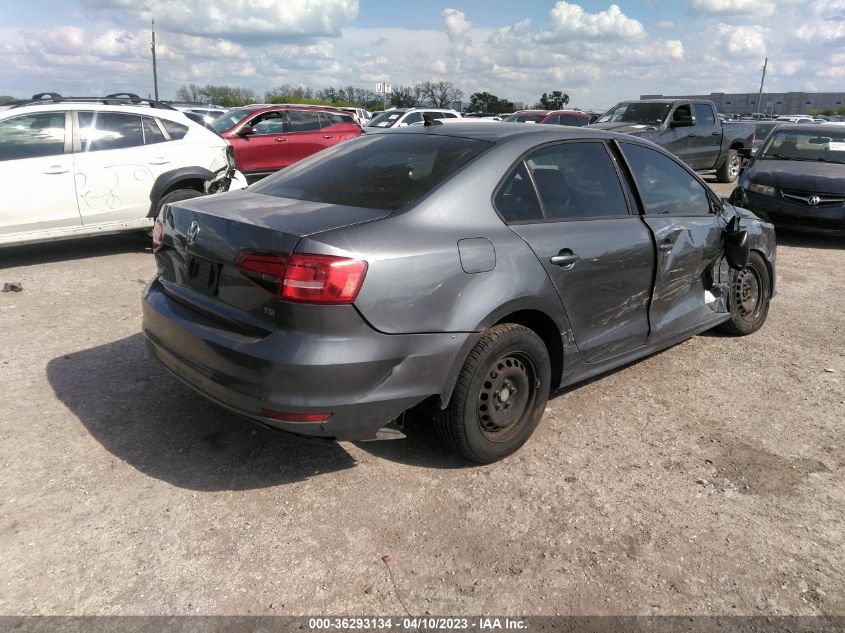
{"x":742,"y":41}
{"x":275,"y":20}
{"x":457,"y":26}
{"x":759,"y":8}
{"x":568,"y":21}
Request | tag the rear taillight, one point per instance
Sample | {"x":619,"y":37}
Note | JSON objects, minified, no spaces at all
{"x":303,"y":278}
{"x":158,"y":236}
{"x":295,"y":417}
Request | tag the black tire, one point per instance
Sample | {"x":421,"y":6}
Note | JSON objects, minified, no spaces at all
{"x":729,"y":171}
{"x":175,"y":196}
{"x":748,"y":297}
{"x":508,"y":369}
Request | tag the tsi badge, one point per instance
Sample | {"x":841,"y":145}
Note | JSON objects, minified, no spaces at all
{"x":193,"y":231}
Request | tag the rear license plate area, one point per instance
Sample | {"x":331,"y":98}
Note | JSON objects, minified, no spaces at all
{"x":203,"y":275}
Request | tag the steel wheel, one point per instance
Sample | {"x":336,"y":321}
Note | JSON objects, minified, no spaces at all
{"x":747,"y":293}
{"x":507,"y":397}
{"x":748,"y":301}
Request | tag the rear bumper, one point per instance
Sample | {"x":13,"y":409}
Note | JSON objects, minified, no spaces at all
{"x":363,"y":380}
{"x":795,"y":216}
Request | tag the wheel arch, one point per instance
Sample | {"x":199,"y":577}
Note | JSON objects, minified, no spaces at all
{"x":182,"y":178}
{"x":533,"y":317}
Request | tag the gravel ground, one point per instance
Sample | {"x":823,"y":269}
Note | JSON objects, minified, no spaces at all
{"x":707,"y":479}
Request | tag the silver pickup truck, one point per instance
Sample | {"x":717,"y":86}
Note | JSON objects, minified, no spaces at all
{"x":689,"y":129}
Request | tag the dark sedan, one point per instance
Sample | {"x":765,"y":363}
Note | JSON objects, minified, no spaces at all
{"x":481,"y":267}
{"x":797,"y":179}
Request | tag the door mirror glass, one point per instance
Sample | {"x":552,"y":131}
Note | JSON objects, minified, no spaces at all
{"x":246,"y":130}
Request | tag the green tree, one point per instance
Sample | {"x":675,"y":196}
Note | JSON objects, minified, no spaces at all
{"x":404,"y":97}
{"x":6,"y":99}
{"x":486,"y":102}
{"x":228,"y":96}
{"x":554,"y":101}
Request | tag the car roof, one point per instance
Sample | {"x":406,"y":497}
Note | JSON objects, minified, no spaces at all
{"x":505,"y":131}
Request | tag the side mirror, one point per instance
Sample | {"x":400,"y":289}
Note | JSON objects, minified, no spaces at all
{"x":737,"y":245}
{"x":246,"y":130}
{"x":745,"y":152}
{"x":682,"y":121}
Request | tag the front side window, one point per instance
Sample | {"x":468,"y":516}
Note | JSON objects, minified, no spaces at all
{"x":413,"y":117}
{"x":32,"y":136}
{"x":109,"y":130}
{"x":302,"y":121}
{"x":637,"y":112}
{"x":379,"y":171}
{"x":665,"y":187}
{"x":272,"y":122}
{"x":577,"y":180}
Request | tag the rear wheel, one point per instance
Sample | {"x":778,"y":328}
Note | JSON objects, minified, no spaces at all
{"x":175,"y":196}
{"x":729,"y":171}
{"x":749,"y":298}
{"x":500,"y":395}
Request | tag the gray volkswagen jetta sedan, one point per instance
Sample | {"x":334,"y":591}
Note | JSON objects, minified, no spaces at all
{"x":482,"y":267}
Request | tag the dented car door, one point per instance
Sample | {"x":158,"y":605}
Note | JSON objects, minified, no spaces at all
{"x":690,"y":277}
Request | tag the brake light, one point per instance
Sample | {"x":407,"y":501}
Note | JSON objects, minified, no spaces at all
{"x":158,"y":236}
{"x":323,"y":279}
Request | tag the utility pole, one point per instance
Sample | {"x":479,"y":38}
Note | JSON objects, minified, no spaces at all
{"x":762,"y":79}
{"x":153,"y":48}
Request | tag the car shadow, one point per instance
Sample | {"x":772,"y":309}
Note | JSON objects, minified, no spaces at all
{"x":67,"y":250}
{"x":809,"y":240}
{"x":148,"y":419}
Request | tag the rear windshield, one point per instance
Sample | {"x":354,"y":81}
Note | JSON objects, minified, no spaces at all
{"x":524,"y":118}
{"x":231,"y":118}
{"x":380,"y":171}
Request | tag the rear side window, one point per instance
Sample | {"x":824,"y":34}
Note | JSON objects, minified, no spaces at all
{"x":516,"y":200}
{"x":577,"y":180}
{"x":100,"y":131}
{"x":152,"y":133}
{"x":176,"y":131}
{"x":32,"y":136}
{"x":665,"y":187}
{"x":381,"y":171}
{"x":301,"y":121}
{"x":330,"y":118}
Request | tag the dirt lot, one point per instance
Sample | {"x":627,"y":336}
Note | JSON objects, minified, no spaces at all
{"x":707,"y":479}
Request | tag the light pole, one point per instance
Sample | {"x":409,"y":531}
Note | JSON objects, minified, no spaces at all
{"x":762,"y":79}
{"x":153,"y":49}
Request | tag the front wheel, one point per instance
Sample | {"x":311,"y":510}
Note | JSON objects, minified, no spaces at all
{"x":749,"y":297}
{"x":177,"y":196}
{"x":500,"y":395}
{"x":729,"y":171}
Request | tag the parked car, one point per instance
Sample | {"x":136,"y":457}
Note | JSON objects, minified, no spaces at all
{"x":403,"y":117}
{"x":208,"y":111}
{"x":797,"y":179}
{"x":78,"y":166}
{"x":688,"y":129}
{"x":361,"y":115}
{"x":483,"y":266}
{"x":795,"y":118}
{"x":269,"y":137}
{"x":550,"y":117}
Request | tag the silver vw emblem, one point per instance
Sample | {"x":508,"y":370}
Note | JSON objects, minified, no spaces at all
{"x":814,"y":201}
{"x":193,"y":231}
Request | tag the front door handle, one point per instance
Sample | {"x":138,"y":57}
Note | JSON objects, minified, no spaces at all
{"x":565,"y":259}
{"x":693,"y":135}
{"x":53,"y":170}
{"x":159,"y":161}
{"x":327,"y":136}
{"x":716,"y":133}
{"x":280,"y":139}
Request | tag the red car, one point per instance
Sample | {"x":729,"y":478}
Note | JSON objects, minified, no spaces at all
{"x":267,"y":138}
{"x":550,"y":117}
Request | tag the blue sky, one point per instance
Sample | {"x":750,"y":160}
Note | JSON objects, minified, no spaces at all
{"x":598,"y":52}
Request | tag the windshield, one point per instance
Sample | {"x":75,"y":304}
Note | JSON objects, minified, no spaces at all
{"x":826,"y":146}
{"x":525,"y":118}
{"x":377,"y":171}
{"x":231,"y":119}
{"x":385,"y":119}
{"x":645,"y":113}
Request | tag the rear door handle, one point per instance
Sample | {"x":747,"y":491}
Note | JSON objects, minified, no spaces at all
{"x":716,"y":133}
{"x":159,"y":161}
{"x":565,"y":259}
{"x":693,"y":135}
{"x":280,"y":139}
{"x":327,"y":136}
{"x":55,"y":170}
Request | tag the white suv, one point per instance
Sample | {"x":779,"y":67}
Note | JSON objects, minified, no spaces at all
{"x":402,"y":117}
{"x":81,"y":166}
